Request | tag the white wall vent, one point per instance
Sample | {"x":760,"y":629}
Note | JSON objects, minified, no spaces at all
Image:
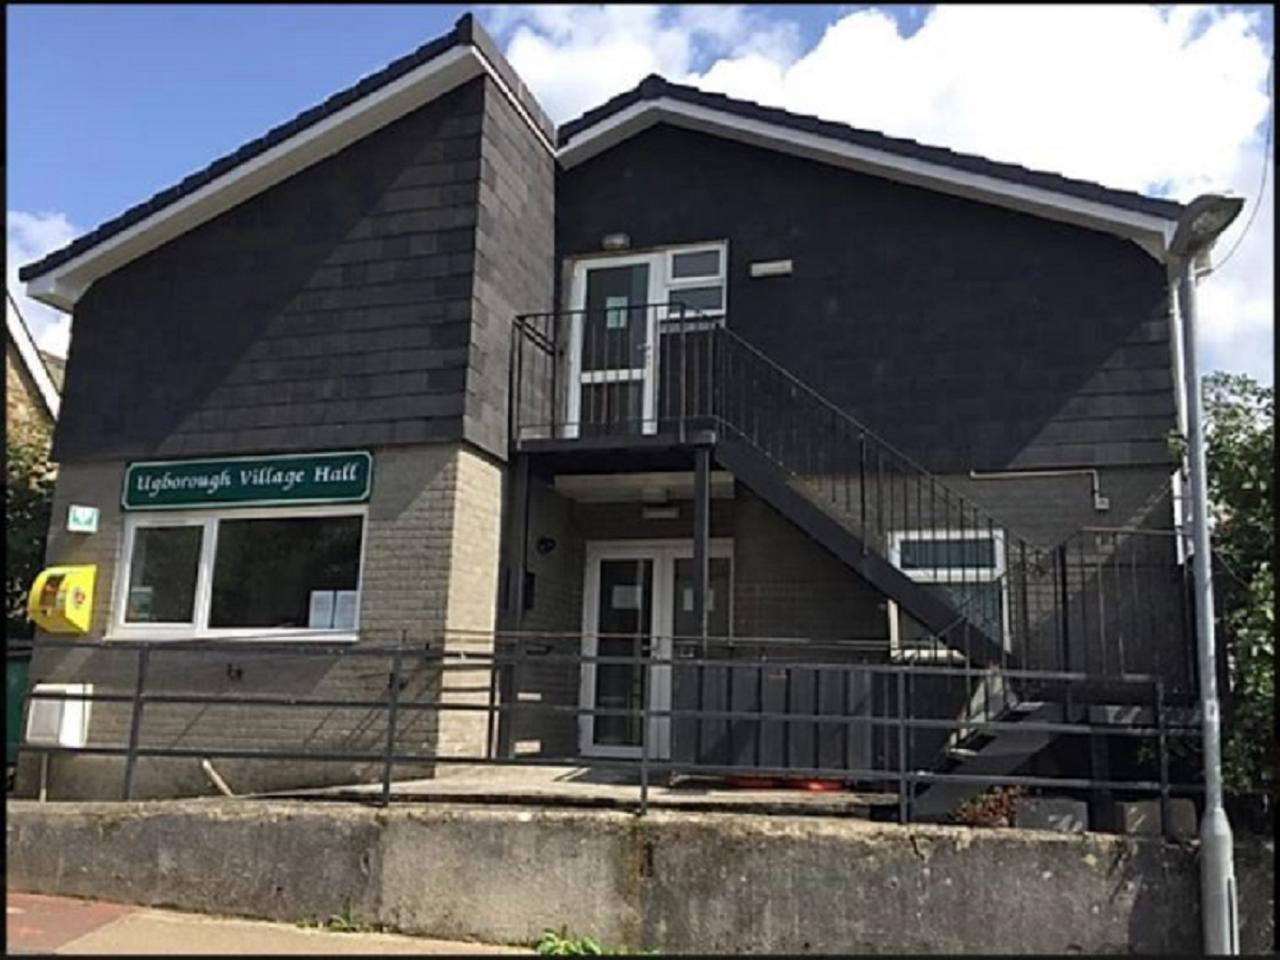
{"x":59,"y":723}
{"x":771,"y":268}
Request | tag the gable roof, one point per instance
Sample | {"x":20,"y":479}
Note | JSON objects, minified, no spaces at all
{"x":31,"y":358}
{"x":654,"y":87}
{"x":655,"y":100}
{"x":62,"y":276}
{"x":412,"y":80}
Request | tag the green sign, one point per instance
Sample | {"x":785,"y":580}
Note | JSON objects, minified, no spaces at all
{"x":248,"y":481}
{"x":82,"y":519}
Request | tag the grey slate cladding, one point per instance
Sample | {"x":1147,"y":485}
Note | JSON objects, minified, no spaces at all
{"x":465,"y":32}
{"x":334,"y":309}
{"x":514,"y":261}
{"x":968,"y":335}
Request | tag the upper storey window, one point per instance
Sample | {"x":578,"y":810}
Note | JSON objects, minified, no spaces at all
{"x":695,"y":280}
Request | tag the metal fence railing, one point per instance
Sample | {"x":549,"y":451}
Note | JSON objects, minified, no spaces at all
{"x":717,"y":707}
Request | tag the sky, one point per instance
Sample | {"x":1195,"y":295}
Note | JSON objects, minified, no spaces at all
{"x":107,"y":105}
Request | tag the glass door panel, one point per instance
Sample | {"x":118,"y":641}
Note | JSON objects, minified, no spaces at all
{"x":613,"y":384}
{"x":624,"y":628}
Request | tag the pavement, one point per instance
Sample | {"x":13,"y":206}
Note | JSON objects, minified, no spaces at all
{"x":38,"y":924}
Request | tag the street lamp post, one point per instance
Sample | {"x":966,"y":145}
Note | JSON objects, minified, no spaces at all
{"x":1203,"y":220}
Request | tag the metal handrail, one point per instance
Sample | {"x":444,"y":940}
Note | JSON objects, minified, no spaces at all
{"x":436,"y":653}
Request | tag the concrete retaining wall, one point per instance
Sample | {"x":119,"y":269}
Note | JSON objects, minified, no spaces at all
{"x":681,"y":882}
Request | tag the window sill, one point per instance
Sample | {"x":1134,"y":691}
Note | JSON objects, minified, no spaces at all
{"x":158,"y":636}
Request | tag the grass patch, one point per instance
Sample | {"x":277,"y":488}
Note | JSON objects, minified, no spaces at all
{"x":561,"y":943}
{"x":342,"y":923}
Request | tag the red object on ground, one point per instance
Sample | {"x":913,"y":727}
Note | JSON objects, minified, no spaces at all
{"x":752,"y":783}
{"x":819,"y":786}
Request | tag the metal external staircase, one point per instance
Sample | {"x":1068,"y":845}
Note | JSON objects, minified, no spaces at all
{"x":876,"y":509}
{"x":974,"y":594}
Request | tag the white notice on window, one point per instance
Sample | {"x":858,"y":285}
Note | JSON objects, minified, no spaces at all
{"x":321,"y":614}
{"x":688,"y":599}
{"x":344,"y":610}
{"x":625,"y":597}
{"x":615,"y":316}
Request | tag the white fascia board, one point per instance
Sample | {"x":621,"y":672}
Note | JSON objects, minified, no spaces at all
{"x":1150,"y":232}
{"x":516,"y":102}
{"x":62,"y":286}
{"x":31,"y":359}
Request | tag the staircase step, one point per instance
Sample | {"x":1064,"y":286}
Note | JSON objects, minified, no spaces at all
{"x":1004,"y":752}
{"x":1025,"y":706}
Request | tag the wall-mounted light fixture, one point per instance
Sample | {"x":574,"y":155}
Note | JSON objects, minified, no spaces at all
{"x":668,"y":512}
{"x":615,"y":241}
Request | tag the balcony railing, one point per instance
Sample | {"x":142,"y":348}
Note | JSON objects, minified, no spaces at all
{"x":623,"y":372}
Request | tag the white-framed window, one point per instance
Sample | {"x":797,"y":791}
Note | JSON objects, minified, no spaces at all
{"x":967,"y":567}
{"x":695,"y":280}
{"x":271,"y":573}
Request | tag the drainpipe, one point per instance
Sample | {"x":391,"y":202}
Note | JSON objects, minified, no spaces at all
{"x":1203,"y":220}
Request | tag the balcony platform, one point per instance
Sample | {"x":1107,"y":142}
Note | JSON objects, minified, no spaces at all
{"x":615,"y":453}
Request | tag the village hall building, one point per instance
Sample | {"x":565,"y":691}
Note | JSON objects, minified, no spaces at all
{"x":753,"y":403}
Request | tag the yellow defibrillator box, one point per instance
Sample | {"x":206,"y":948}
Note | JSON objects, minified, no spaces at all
{"x":61,"y":599}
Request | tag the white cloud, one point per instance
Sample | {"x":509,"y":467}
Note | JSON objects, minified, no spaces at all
{"x":1236,"y":305}
{"x":577,"y":56}
{"x":28,"y":237}
{"x":1162,"y":100}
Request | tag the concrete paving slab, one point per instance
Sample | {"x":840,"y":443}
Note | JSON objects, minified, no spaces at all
{"x":583,"y":786}
{"x":65,"y":925}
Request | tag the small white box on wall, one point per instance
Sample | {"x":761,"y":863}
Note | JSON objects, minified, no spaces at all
{"x":771,"y":268}
{"x":59,"y":723}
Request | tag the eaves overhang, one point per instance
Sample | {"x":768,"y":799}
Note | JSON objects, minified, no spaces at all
{"x":29,"y":357}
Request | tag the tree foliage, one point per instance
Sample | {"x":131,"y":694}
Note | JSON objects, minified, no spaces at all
{"x":27,"y":501}
{"x":1240,"y":450}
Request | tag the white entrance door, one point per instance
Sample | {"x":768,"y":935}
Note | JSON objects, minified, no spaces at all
{"x":613,"y":362}
{"x":637,"y":593}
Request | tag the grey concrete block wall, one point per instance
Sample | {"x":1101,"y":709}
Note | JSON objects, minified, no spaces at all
{"x":1125,"y":609}
{"x":430,"y":568}
{"x":473,"y":557}
{"x":785,"y":585}
{"x":365,"y":302}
